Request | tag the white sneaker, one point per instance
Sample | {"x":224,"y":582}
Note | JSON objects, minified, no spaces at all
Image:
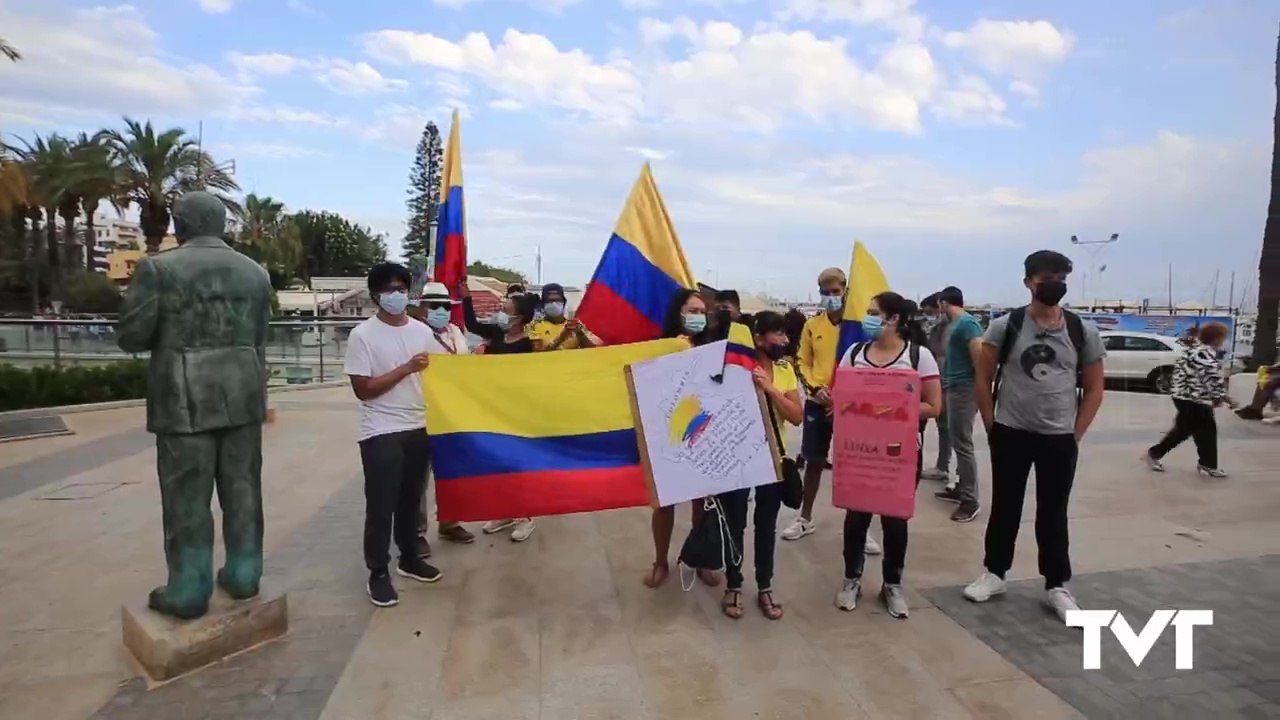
{"x":934,"y":473}
{"x":1153,"y":463}
{"x":847,"y":598}
{"x":1272,"y":420}
{"x":987,"y":586}
{"x":871,"y":547}
{"x":895,"y":601}
{"x":1060,"y":600}
{"x":522,"y":530}
{"x":1211,"y":472}
{"x":497,"y":526}
{"x":799,"y":528}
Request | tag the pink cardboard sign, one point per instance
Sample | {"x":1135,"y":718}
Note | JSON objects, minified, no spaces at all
{"x":877,"y":419}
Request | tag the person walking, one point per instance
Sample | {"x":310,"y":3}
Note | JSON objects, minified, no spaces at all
{"x":1041,"y":356}
{"x":1198,"y":388}
{"x":936,"y":327}
{"x":385,"y":357}
{"x":890,"y":322}
{"x":777,"y":380}
{"x":963,"y":349}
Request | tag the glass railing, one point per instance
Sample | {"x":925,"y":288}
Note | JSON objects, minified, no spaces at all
{"x":298,"y":351}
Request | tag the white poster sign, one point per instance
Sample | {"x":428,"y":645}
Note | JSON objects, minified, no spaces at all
{"x":699,"y":435}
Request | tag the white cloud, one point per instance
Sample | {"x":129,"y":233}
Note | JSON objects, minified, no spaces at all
{"x":250,"y":67}
{"x":264,"y":150}
{"x":898,"y":16}
{"x":506,"y":104}
{"x":217,"y":6}
{"x":553,"y":6}
{"x":641,"y":4}
{"x":649,"y":153}
{"x":1013,"y":48}
{"x":971,"y":99}
{"x":1024,"y":88}
{"x":400,"y":126}
{"x":106,"y":61}
{"x":524,"y":66}
{"x":356,"y":78}
{"x":280,"y":115}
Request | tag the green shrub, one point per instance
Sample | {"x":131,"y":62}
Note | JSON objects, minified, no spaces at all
{"x":23,"y":388}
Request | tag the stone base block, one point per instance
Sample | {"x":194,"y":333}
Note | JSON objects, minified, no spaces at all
{"x":167,"y":648}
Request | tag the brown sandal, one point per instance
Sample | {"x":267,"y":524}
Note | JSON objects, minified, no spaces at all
{"x":710,"y":578}
{"x":731,"y":604}
{"x":771,"y":609}
{"x":657,"y":575}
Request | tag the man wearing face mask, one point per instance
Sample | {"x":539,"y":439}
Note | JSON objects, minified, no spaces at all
{"x":434,"y":309}
{"x":1045,"y":365}
{"x":728,"y":310}
{"x":555,"y":331}
{"x":385,"y":356}
{"x":936,"y":327}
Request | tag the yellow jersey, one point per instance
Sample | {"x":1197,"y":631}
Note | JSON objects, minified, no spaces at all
{"x":817,"y":357}
{"x":544,"y":333}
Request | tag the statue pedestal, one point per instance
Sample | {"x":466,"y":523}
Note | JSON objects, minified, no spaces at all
{"x":166,"y":647}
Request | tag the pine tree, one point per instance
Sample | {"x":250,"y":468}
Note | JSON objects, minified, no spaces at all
{"x":424,"y":193}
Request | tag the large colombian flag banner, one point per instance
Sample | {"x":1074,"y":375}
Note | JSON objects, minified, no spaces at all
{"x":642,"y":268}
{"x":451,"y":222}
{"x":866,"y":280}
{"x":504,"y":444}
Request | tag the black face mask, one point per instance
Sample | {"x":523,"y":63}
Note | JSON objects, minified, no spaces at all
{"x":1050,"y":292}
{"x":723,"y":318}
{"x":775,"y":352}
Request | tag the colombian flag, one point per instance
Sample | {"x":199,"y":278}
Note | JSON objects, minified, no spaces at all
{"x":642,"y":268}
{"x":866,"y":280}
{"x":741,"y":350}
{"x":503,"y":447}
{"x":451,"y":222}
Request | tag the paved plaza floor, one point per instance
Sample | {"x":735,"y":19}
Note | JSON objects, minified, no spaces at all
{"x":561,"y":627}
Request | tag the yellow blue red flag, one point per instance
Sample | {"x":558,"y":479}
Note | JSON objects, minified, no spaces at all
{"x":866,"y":280}
{"x":642,"y":268}
{"x":451,"y":222}
{"x":505,"y":444}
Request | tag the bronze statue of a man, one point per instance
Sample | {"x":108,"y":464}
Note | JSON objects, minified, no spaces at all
{"x":201,"y":309}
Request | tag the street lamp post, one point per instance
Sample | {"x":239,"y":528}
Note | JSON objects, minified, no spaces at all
{"x":1094,"y":248}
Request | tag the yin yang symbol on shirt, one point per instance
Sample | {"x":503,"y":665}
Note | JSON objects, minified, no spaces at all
{"x":1037,"y":361}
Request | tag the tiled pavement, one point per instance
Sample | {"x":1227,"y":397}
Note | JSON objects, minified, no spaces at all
{"x":560,"y":627}
{"x":1237,"y":659}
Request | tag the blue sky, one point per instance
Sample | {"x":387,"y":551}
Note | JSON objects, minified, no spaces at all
{"x":951,"y":137}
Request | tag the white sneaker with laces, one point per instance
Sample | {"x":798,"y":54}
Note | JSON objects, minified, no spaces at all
{"x":1211,"y":472}
{"x":1060,"y":600}
{"x":497,"y":526}
{"x":987,"y":586}
{"x":871,"y":547}
{"x":799,"y":528}
{"x":847,"y":598}
{"x":522,"y":530}
{"x":1153,"y":463}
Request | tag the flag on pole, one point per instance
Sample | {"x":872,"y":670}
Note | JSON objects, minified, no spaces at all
{"x":866,"y":280}
{"x":642,"y":268}
{"x":451,"y":222}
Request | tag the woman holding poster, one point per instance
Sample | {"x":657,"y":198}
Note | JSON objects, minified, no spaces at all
{"x":890,"y":323}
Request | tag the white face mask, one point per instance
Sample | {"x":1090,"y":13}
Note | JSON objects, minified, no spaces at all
{"x":502,"y":320}
{"x":832,"y":303}
{"x":553,"y":310}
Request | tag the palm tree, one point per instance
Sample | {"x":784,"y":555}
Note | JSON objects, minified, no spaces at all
{"x":155,"y":169}
{"x":49,"y":166}
{"x":1264,"y":341}
{"x":271,"y":237}
{"x":95,"y":179}
{"x":9,"y":51}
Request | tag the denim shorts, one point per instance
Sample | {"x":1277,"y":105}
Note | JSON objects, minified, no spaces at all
{"x":815,"y":440}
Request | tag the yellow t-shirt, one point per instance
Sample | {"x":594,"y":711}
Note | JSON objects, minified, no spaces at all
{"x":784,"y":379}
{"x":544,"y":333}
{"x":817,"y":357}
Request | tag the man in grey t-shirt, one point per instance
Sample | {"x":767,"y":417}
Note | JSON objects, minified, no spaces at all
{"x":1038,"y":423}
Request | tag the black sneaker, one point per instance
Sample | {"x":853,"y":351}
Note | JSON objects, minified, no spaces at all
{"x":381,"y":592}
{"x":951,"y":495}
{"x":966,"y":512}
{"x":415,"y":568}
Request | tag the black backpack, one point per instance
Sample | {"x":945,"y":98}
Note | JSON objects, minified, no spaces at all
{"x":1075,"y":331}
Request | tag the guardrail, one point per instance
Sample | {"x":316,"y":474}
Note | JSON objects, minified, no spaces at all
{"x":298,"y":351}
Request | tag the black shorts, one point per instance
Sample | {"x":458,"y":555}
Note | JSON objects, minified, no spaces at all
{"x":815,"y":439}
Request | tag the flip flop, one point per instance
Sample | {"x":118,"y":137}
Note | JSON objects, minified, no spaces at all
{"x":657,"y":575}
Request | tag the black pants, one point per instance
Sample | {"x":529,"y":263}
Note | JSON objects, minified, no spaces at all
{"x":1013,"y":454}
{"x":1194,"y":421}
{"x":395,"y":471}
{"x":856,"y":525}
{"x":765,"y":522}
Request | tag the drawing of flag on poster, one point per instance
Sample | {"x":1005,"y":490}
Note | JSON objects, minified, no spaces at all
{"x":642,"y":268}
{"x":451,"y":222}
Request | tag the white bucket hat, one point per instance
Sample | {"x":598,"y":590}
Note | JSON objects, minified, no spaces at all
{"x":435,"y":292}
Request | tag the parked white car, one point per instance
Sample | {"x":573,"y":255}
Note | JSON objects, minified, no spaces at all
{"x":1138,"y":357}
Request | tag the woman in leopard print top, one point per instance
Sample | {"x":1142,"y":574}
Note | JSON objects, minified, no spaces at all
{"x":1198,"y":388}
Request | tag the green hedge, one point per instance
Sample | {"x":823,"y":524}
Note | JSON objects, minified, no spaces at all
{"x":23,"y":388}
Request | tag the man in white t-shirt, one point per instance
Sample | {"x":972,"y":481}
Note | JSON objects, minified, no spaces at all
{"x":434,"y":308}
{"x":385,"y":356}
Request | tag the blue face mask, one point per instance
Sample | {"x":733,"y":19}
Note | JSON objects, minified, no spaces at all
{"x":438,"y":318}
{"x":695,"y":323}
{"x":872,"y":325}
{"x":394,"y":302}
{"x":553,"y":310}
{"x":831,"y":303}
{"x":502,"y":320}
